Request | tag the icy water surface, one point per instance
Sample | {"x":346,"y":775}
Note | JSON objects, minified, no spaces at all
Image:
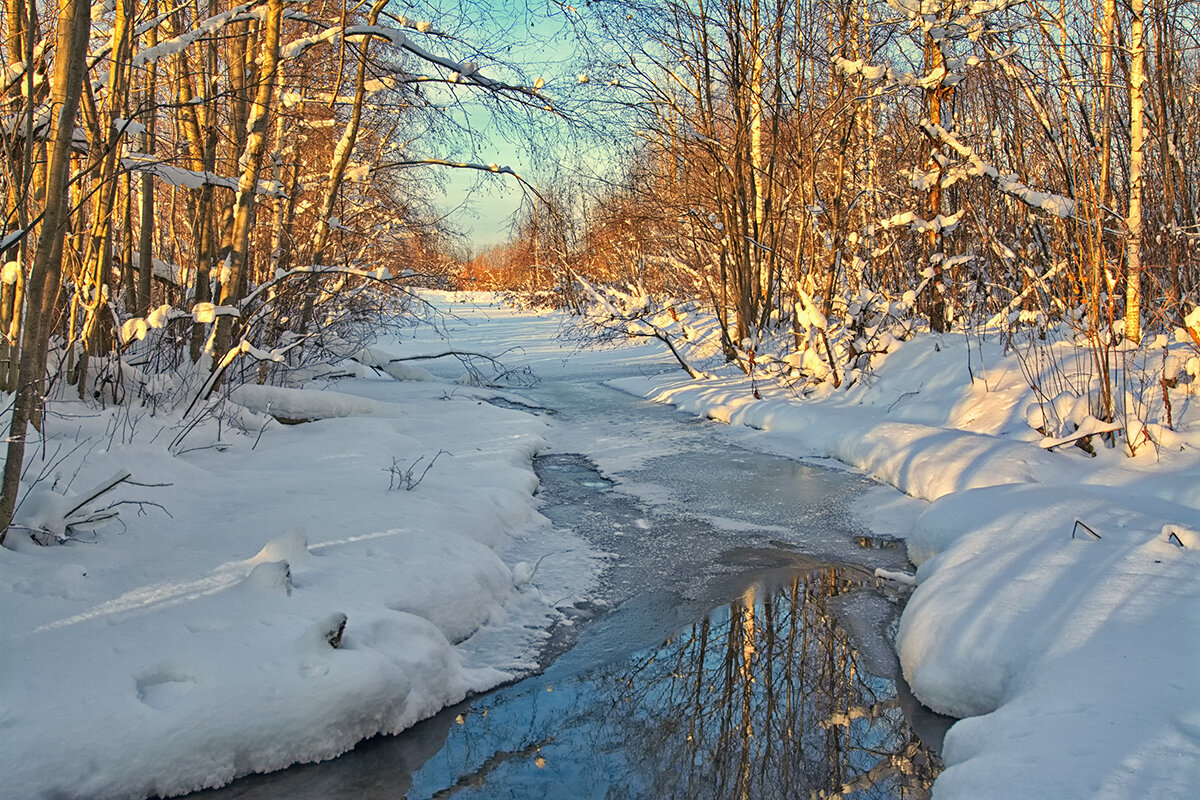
{"x":765,"y":697}
{"x":736,"y":645}
{"x":711,"y":669}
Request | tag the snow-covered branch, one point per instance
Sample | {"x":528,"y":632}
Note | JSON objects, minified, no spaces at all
{"x":459,"y":72}
{"x":190,"y":178}
{"x":381,"y":275}
{"x":1008,"y":183}
{"x":207,"y":27}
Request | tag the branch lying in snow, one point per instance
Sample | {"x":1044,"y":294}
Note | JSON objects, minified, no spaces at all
{"x":902,"y":578}
{"x":50,"y":522}
{"x":106,"y":486}
{"x":456,"y":353}
{"x":467,"y":359}
{"x":1090,"y":427}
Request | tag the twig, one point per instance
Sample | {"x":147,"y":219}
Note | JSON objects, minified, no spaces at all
{"x":901,"y":397}
{"x":404,"y":477}
{"x":108,"y":485}
{"x":261,"y":431}
{"x":138,"y":503}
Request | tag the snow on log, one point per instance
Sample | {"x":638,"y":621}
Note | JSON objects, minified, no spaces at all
{"x":903,"y":578}
{"x":1089,"y":427}
{"x":301,"y":405}
{"x":271,"y":578}
{"x":290,"y":546}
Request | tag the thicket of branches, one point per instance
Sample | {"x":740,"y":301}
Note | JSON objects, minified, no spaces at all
{"x":835,"y":169}
{"x":187,"y":186}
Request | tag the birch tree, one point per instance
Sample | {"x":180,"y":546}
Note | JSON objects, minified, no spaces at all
{"x":1137,"y":140}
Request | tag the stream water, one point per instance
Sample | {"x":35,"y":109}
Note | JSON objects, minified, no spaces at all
{"x":737,"y":645}
{"x":728,"y":666}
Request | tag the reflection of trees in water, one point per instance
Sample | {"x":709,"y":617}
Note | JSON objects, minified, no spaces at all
{"x":477,"y":778}
{"x":764,"y":699}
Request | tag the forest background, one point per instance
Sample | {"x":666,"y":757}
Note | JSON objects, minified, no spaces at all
{"x":203,"y":194}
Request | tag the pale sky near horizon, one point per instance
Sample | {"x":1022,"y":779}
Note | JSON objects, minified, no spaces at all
{"x":542,"y":43}
{"x":481,"y":205}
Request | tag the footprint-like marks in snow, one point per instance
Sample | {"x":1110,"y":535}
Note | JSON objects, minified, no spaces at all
{"x":164,"y":687}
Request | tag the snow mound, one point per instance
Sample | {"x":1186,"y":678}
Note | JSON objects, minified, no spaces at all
{"x":1033,"y":633}
{"x":286,"y":608}
{"x":302,"y":404}
{"x":1070,"y":654}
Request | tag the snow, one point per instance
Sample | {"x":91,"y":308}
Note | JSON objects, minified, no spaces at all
{"x":163,"y":653}
{"x":301,"y":404}
{"x":168,"y":652}
{"x":192,"y":179}
{"x":177,"y":44}
{"x":1072,"y":660}
{"x":7,"y":241}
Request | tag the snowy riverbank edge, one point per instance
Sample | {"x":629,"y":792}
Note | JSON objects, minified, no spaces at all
{"x":1073,"y":659}
{"x":167,"y":653}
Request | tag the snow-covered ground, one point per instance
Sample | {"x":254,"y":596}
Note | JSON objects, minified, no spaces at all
{"x":166,"y":652}
{"x":1073,"y":650}
{"x":188,"y":642}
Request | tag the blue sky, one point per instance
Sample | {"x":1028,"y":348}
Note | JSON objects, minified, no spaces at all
{"x":481,"y":205}
{"x":518,"y":43}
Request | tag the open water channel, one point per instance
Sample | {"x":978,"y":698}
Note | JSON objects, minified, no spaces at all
{"x":737,"y":645}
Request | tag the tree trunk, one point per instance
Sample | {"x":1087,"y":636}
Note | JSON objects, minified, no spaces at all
{"x":337,"y":171}
{"x":1133,"y":241}
{"x":65,"y":91}
{"x":102,"y":157}
{"x":252,"y":158}
{"x":146,"y":229}
{"x":936,"y":302}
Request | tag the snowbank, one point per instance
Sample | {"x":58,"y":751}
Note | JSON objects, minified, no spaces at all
{"x":166,"y":652}
{"x":1073,"y":658}
{"x":1057,"y":606}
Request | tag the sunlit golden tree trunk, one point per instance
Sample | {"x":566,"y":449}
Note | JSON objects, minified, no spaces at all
{"x":103,"y":157}
{"x":935,"y":63}
{"x":145,"y":269}
{"x":337,"y":169}
{"x":251,"y":160}
{"x":46,"y":275}
{"x":1133,"y":239}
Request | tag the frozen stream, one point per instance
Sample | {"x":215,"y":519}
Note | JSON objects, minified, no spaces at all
{"x":735,"y":645}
